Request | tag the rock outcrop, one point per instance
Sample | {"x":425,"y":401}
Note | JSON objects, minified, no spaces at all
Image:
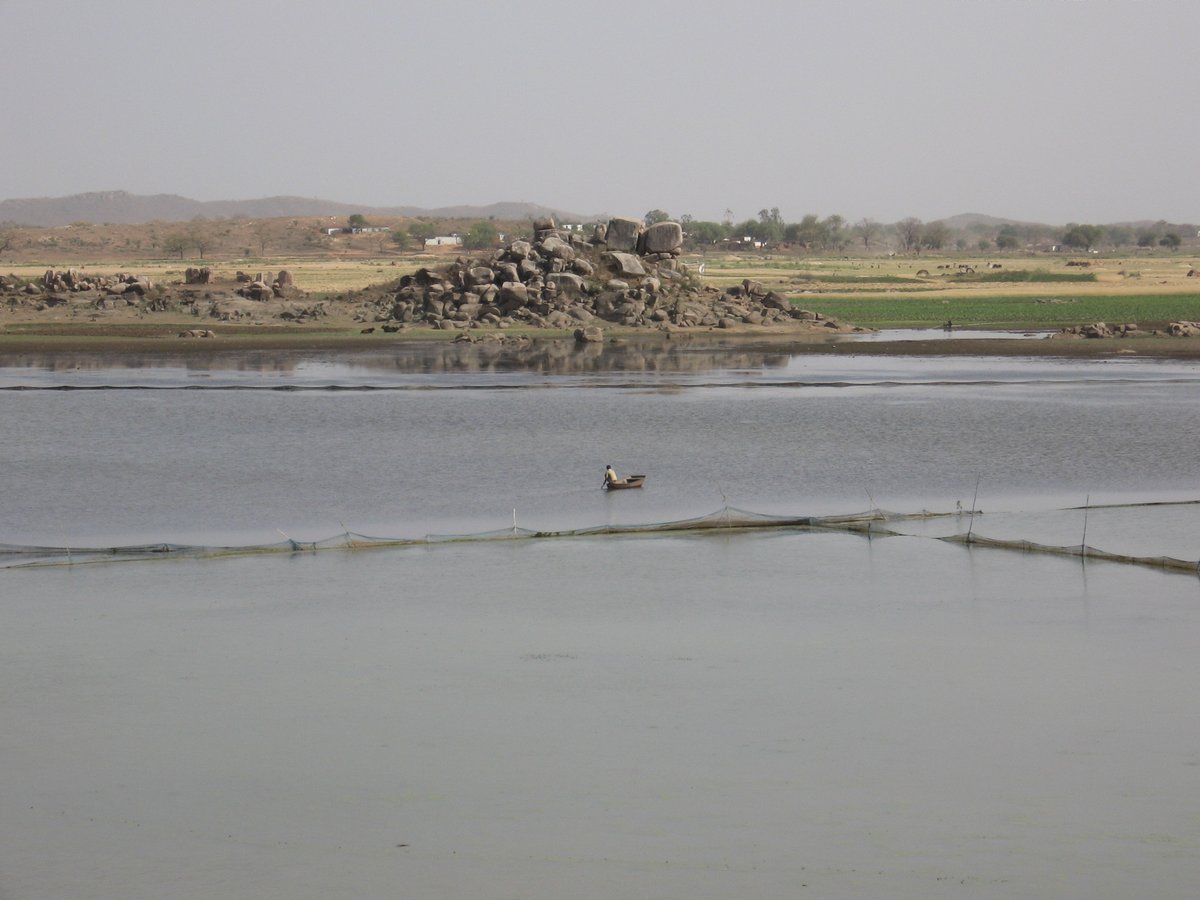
{"x":199,"y":294}
{"x":74,"y":282}
{"x":626,"y":274}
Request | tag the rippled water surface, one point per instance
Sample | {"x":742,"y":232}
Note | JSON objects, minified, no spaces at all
{"x":714,"y":715}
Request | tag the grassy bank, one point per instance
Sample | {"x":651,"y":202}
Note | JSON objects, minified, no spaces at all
{"x":1006,"y":311}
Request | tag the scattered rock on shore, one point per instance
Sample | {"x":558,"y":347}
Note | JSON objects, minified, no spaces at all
{"x":1097,"y":330}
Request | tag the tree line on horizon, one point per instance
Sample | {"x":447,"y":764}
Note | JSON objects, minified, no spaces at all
{"x":911,"y":235}
{"x":811,"y":234}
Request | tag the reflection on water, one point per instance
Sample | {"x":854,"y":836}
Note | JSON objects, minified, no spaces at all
{"x":656,"y":364}
{"x":537,"y":357}
{"x":680,"y":353}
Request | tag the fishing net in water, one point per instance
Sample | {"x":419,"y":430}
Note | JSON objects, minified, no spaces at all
{"x":726,"y":519}
{"x":1081,"y":551}
{"x":871,"y":523}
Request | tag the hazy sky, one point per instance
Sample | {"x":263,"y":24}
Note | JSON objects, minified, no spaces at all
{"x":1045,"y":110}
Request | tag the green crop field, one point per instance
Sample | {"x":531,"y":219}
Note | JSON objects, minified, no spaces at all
{"x":1022,"y":292}
{"x":1006,"y":312}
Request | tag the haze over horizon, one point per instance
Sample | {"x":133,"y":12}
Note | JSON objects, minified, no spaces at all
{"x":1049,"y":111}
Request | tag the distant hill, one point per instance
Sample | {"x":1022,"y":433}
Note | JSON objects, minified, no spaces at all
{"x":123,"y":208}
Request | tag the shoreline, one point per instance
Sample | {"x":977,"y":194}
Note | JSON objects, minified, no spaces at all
{"x":161,"y":339}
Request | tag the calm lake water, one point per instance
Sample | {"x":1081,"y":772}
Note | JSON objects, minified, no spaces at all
{"x":735,"y":714}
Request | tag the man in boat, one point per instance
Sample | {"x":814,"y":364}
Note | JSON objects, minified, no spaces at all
{"x":610,"y":476}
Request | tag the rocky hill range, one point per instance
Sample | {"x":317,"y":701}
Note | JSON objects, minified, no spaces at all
{"x":123,"y":208}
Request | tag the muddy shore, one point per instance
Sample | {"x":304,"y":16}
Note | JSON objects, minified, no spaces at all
{"x":20,"y":339}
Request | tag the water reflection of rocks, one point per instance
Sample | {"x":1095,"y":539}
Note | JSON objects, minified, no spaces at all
{"x":549,"y":357}
{"x":567,"y":358}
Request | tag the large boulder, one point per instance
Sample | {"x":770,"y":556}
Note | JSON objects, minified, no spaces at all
{"x":558,"y":248}
{"x":622,"y":234}
{"x":566,"y":281}
{"x":513,"y":294}
{"x":478,"y":275}
{"x":662,"y":237}
{"x":625,"y":264}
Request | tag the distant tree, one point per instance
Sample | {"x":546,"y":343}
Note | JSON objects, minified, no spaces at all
{"x":1171,"y":240}
{"x":358,"y":220}
{"x":960,"y":243}
{"x":399,"y":234}
{"x":755,"y":229}
{"x":1146,"y":238}
{"x":908,"y":231}
{"x":835,"y":231}
{"x":176,"y":243}
{"x":866,"y":230}
{"x":6,"y":240}
{"x":422,"y":231}
{"x":1007,"y":238}
{"x":1083,"y":237}
{"x":809,"y":232}
{"x":935,"y":235}
{"x":704,"y":234}
{"x":1119,"y":235}
{"x":983,"y":244}
{"x":481,"y":236}
{"x":657,"y":215}
{"x":771,"y":222}
{"x":261,"y":233}
{"x":200,"y":238}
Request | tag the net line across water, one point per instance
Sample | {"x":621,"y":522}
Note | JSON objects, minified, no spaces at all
{"x":871,"y":523}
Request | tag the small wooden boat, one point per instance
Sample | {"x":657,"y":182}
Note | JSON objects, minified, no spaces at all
{"x":621,"y":484}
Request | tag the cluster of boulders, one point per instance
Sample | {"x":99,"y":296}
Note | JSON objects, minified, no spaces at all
{"x":1100,"y":330}
{"x":200,"y":294}
{"x":1183,"y":329}
{"x":626,"y":273}
{"x":13,"y":284}
{"x":72,"y":281}
{"x":71,"y":288}
{"x":1104,"y":330}
{"x":260,"y":289}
